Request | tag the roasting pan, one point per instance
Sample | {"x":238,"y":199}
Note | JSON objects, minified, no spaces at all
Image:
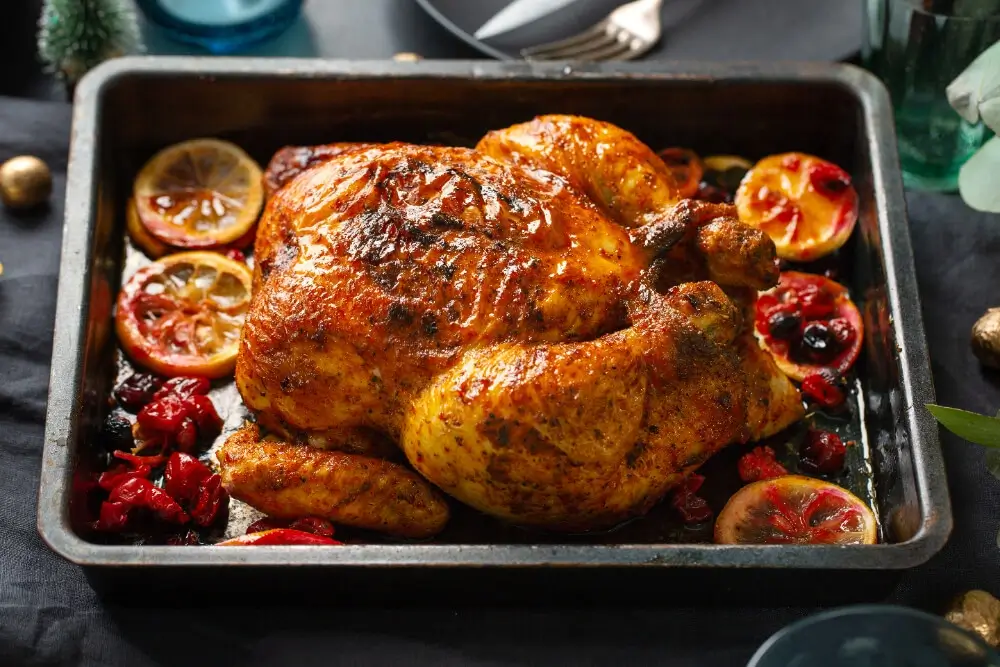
{"x":127,"y":109}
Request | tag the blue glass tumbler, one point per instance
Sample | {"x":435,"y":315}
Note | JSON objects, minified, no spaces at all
{"x":221,"y":26}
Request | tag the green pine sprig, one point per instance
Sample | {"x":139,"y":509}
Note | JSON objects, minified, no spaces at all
{"x":75,"y":36}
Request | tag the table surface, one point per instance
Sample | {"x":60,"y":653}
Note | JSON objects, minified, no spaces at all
{"x":50,"y":616}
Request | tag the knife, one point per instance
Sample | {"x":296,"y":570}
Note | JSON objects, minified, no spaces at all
{"x":517,"y":14}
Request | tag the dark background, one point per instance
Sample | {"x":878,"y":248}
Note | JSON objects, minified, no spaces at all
{"x":50,"y":616}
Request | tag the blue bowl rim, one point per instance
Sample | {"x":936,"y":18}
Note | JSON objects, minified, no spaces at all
{"x":864,"y":610}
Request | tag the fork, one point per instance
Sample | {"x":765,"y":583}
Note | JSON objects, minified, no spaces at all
{"x":626,"y":33}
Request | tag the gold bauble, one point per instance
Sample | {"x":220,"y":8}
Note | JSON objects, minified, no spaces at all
{"x":25,"y":181}
{"x":979,"y":613}
{"x":986,"y":338}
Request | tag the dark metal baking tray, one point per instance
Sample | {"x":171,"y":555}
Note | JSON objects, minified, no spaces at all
{"x":127,"y":109}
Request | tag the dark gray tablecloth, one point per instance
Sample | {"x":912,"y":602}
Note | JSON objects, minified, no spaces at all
{"x":50,"y":616}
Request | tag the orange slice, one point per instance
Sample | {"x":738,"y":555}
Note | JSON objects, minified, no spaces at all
{"x":795,"y":510}
{"x":805,"y":204}
{"x":808,"y":323}
{"x":149,"y":244}
{"x":183,"y":314}
{"x":199,"y":194}
{"x":686,"y":168}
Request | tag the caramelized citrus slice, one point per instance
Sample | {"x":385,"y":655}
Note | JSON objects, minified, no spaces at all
{"x":795,"y":510}
{"x":686,"y":168}
{"x":183,"y":314}
{"x":199,"y":193}
{"x":805,"y":204}
{"x":809,"y":323}
{"x":149,"y":244}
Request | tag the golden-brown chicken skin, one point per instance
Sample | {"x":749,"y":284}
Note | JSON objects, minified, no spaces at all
{"x":533,"y":322}
{"x":292,"y":481}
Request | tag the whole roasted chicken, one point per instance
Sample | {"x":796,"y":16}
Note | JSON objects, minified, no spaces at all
{"x":541,"y":326}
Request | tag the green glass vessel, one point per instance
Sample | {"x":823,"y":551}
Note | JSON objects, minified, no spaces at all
{"x":917,"y":48}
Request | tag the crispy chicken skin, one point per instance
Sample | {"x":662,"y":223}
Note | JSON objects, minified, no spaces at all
{"x":293,"y":481}
{"x":548,"y":334}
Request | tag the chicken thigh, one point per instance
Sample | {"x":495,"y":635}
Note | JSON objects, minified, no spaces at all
{"x":539,"y":324}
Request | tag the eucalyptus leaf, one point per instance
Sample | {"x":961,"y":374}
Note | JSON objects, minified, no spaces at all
{"x":977,"y":180}
{"x":974,"y":427}
{"x":978,"y":83}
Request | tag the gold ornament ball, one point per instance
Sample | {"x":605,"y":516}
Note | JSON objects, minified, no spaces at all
{"x":977,"y":612}
{"x":25,"y":181}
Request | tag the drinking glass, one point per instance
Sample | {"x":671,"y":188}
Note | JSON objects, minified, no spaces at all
{"x":917,"y":47}
{"x":874,"y":636}
{"x":221,"y":26}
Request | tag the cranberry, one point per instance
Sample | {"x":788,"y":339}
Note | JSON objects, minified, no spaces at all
{"x":829,"y":179}
{"x":818,"y":343}
{"x":313,"y":525}
{"x":823,"y":452}
{"x":692,"y":507}
{"x":710,"y":193}
{"x":842,"y":330}
{"x":116,"y":432}
{"x":187,"y":435}
{"x":236,"y":254}
{"x":136,"y":391}
{"x":814,"y":301}
{"x":184,"y":387}
{"x":783,"y":325}
{"x":759,"y":464}
{"x":823,"y":387}
{"x":211,"y":499}
{"x":202,"y":410}
{"x":165,"y":415}
{"x":184,"y":475}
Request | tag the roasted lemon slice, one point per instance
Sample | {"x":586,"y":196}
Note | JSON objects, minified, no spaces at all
{"x":149,"y":244}
{"x":807,"y":205}
{"x":795,"y":510}
{"x":183,"y":314}
{"x":199,"y":193}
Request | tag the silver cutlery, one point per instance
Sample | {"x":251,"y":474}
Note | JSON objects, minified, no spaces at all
{"x":627,"y":33}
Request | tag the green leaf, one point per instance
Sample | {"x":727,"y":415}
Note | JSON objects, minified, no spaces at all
{"x":977,"y":180}
{"x":974,"y":427}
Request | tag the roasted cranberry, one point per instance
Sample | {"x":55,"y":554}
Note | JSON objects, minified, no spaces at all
{"x":842,"y":330}
{"x":202,"y":410}
{"x":829,"y":179}
{"x":187,"y":435}
{"x":824,"y":387}
{"x":136,"y":391}
{"x":184,"y":475}
{"x":684,"y":499}
{"x":116,"y":432}
{"x":184,"y":386}
{"x":211,"y":499}
{"x":784,"y":325}
{"x":758,"y":464}
{"x":823,"y":452}
{"x":314,"y":525}
{"x":814,"y":301}
{"x":712,"y":193}
{"x":236,"y":254}
{"x":818,"y":343}
{"x":164,"y":415}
